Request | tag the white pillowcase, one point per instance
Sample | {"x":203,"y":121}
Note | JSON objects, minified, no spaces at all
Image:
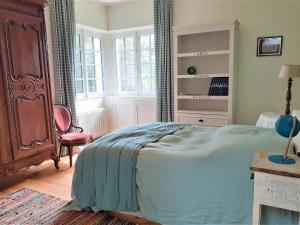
{"x":296,"y":139}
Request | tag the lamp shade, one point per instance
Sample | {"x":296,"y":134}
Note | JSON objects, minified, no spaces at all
{"x":289,"y":71}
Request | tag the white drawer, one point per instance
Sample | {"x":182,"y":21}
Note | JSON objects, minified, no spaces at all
{"x":277,"y":191}
{"x":204,"y":120}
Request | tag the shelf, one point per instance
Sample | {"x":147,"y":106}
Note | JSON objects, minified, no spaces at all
{"x":187,"y":76}
{"x":206,"y":53}
{"x":202,"y":97}
{"x":209,"y":112}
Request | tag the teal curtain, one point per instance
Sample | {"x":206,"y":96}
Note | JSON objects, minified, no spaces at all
{"x":163,"y":10}
{"x":63,"y":40}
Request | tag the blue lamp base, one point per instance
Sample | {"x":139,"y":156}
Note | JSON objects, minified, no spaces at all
{"x":281,"y":160}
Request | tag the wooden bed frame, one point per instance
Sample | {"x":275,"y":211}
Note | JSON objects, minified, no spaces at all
{"x":132,"y":219}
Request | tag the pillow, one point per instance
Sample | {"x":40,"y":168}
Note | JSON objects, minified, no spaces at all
{"x":296,"y":139}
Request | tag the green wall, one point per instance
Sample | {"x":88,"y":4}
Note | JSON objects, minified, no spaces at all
{"x":258,"y":87}
{"x":91,"y":13}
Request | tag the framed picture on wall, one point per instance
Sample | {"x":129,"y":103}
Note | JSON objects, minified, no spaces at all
{"x":269,"y":46}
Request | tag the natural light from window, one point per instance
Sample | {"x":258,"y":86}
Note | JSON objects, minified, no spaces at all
{"x":89,"y":66}
{"x":135,"y":63}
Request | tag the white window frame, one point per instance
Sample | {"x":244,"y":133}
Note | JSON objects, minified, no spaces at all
{"x":138,"y":83}
{"x":84,"y":31}
{"x":139,"y":33}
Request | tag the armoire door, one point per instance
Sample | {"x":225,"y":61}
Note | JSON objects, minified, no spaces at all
{"x":27,"y":83}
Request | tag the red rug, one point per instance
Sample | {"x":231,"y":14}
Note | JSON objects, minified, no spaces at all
{"x":29,"y":207}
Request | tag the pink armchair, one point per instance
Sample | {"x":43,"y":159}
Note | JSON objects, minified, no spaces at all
{"x":66,"y":130}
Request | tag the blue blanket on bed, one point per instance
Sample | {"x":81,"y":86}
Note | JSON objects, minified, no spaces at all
{"x":105,"y":171}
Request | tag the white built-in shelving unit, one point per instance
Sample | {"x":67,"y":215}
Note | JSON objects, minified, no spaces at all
{"x":213,"y":51}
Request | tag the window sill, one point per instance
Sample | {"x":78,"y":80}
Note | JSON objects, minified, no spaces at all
{"x":90,"y":98}
{"x":133,"y":96}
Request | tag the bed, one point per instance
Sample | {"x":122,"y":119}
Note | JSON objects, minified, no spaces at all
{"x":175,"y":174}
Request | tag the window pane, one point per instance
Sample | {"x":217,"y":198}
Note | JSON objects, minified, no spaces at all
{"x":125,"y":64}
{"x":130,"y":83}
{"x":78,"y":41}
{"x":146,"y":85}
{"x":78,"y":56}
{"x":92,"y":85}
{"x":122,"y":84}
{"x":144,"y":39}
{"x":130,"y":70}
{"x":152,"y":56}
{"x":145,"y":56}
{"x":98,"y":72}
{"x":89,"y":57}
{"x":130,"y":57}
{"x":78,"y":71}
{"x":120,"y":71}
{"x":152,"y":41}
{"x":153,"y":81}
{"x":120,"y":58}
{"x":97,"y":44}
{"x":89,"y":43}
{"x":90,"y":71}
{"x":146,"y":70}
{"x":99,"y":85}
{"x":98,"y":58}
{"x":153,"y":70}
{"x":129,"y":43}
{"x":79,"y":86}
{"x":120,"y":44}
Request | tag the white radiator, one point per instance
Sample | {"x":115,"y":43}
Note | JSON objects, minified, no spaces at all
{"x":93,"y":121}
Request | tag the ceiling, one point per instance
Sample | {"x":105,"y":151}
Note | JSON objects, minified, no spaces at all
{"x":109,"y":2}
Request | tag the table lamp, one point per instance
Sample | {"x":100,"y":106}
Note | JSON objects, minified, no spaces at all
{"x":287,"y":126}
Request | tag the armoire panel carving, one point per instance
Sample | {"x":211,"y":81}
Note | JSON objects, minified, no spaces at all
{"x":23,"y":45}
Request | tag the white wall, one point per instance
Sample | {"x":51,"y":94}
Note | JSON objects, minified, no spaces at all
{"x":91,"y":13}
{"x":258,"y":87}
{"x":128,"y":14}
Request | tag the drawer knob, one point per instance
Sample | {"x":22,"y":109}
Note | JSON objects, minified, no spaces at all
{"x":201,"y":121}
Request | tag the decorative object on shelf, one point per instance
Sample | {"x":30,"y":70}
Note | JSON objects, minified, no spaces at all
{"x":218,"y":86}
{"x":287,"y":125}
{"x":269,"y":46}
{"x":191,"y":70}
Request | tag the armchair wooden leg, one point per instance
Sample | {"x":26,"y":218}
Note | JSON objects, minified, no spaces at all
{"x":60,"y":150}
{"x":70,"y":148}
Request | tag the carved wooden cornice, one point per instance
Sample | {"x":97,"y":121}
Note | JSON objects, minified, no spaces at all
{"x":42,"y":3}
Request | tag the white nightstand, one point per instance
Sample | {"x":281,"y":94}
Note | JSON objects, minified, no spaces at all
{"x":275,"y":185}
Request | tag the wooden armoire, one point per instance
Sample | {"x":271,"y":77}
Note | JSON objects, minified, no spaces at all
{"x":26,"y":111}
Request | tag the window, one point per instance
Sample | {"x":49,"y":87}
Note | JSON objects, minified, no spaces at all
{"x":147,"y":61}
{"x":135,"y":63}
{"x":89,"y":64}
{"x":125,"y":61}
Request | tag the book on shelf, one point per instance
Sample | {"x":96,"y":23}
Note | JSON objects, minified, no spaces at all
{"x":218,"y":86}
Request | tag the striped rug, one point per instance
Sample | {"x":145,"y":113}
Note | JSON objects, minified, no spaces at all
{"x":28,"y":207}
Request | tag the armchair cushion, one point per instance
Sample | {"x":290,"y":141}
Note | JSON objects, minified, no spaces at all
{"x":76,"y":138}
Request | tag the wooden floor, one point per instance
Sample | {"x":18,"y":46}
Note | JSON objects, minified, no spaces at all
{"x":45,"y":178}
